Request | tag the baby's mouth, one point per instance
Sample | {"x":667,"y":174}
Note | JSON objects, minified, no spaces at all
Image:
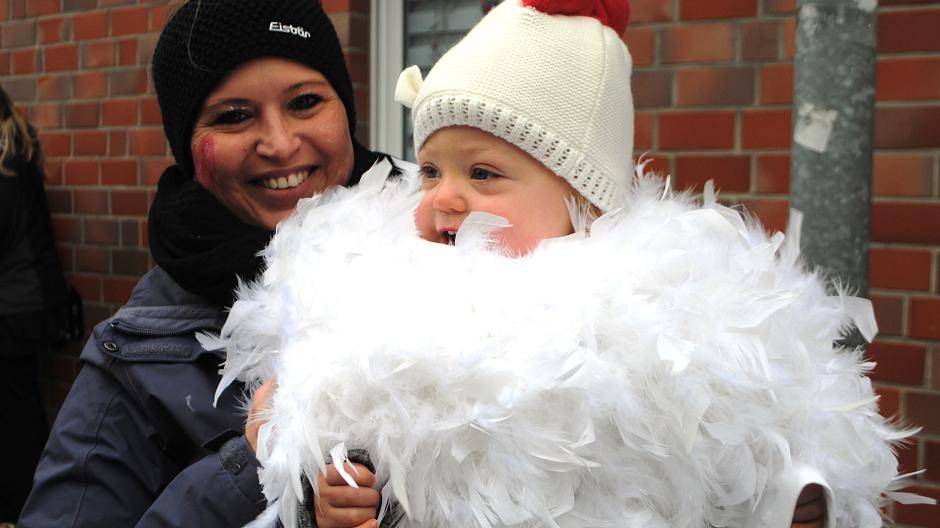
{"x":450,"y":237}
{"x":288,"y":181}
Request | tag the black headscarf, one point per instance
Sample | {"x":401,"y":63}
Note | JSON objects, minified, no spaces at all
{"x":203,"y":245}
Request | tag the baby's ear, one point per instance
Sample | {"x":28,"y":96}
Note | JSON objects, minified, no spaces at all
{"x":409,"y":84}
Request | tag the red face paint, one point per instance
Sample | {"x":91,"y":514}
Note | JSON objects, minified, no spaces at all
{"x":205,"y":163}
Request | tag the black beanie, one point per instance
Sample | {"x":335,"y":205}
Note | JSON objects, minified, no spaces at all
{"x":205,"y":40}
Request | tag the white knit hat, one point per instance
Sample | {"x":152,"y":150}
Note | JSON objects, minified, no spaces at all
{"x":556,"y":86}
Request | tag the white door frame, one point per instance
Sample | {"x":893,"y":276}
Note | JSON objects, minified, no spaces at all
{"x":386,"y":57}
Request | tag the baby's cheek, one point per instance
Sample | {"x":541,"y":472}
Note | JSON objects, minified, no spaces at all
{"x":424,"y":218}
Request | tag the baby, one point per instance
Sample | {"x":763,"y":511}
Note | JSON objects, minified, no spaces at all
{"x":528,"y":115}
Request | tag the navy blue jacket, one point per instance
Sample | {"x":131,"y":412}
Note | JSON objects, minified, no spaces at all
{"x":138,"y":442}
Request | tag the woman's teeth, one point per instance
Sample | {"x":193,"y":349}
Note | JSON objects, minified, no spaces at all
{"x":286,"y":182}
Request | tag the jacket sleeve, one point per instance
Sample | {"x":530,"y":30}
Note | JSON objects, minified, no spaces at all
{"x":100,"y":466}
{"x":220,"y":490}
{"x":104,"y":466}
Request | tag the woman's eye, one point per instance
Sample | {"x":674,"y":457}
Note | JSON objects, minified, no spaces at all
{"x":481,"y":174}
{"x":304,"y":102}
{"x":230,"y":117}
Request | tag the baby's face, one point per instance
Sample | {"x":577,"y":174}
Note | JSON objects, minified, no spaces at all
{"x":465,"y":169}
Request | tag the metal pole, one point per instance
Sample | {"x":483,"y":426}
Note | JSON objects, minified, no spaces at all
{"x":833,"y":112}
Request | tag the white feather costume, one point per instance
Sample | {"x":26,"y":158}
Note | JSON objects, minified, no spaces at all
{"x":670,"y":369}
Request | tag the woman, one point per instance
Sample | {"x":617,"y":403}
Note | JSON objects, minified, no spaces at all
{"x":32,"y":294}
{"x":258,"y":110}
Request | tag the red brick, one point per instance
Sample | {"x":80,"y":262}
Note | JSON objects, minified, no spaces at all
{"x":81,"y":115}
{"x":90,"y":143}
{"x":888,"y":314}
{"x":908,"y":127}
{"x":773,"y":214}
{"x":698,"y":43}
{"x":81,"y":172}
{"x":661,"y":165}
{"x":766,"y":129}
{"x":53,"y":30}
{"x":696,"y":130}
{"x":905,"y":31}
{"x":117,"y":143}
{"x":133,"y":262}
{"x":652,"y":88}
{"x":47,"y":116}
{"x":130,"y":232}
{"x":129,"y":21}
{"x":127,"y":53}
{"x":101,"y":231}
{"x":67,"y":229}
{"x":92,"y":202}
{"x":119,"y":172}
{"x":86,"y":85}
{"x":907,"y":456}
{"x":153,"y":169}
{"x":925,"y":322}
{"x":898,"y":362}
{"x":779,"y":6}
{"x":158,"y":17}
{"x":698,"y":10}
{"x":4,"y":63}
{"x":25,"y":61}
{"x":651,"y":11}
{"x":150,"y":112}
{"x":910,"y":223}
{"x":61,"y":58}
{"x":44,"y":7}
{"x":99,"y":54}
{"x":54,"y":87}
{"x":773,"y":174}
{"x":60,"y":200}
{"x":119,"y":112}
{"x":903,"y":175}
{"x":19,"y":34}
{"x":932,"y":460}
{"x":148,"y":142}
{"x":901,"y":269}
{"x":776,"y":84}
{"x":760,"y":41}
{"x":889,"y":402}
{"x":129,"y":203}
{"x":90,"y":25}
{"x":730,"y":173}
{"x":117,"y":290}
{"x":89,"y":287}
{"x":921,"y":409}
{"x":642,"y":45}
{"x":128,"y":82}
{"x":56,"y":143}
{"x":789,"y":38}
{"x":53,"y":170}
{"x":715,"y":86}
{"x":908,"y":79}
{"x":335,"y":6}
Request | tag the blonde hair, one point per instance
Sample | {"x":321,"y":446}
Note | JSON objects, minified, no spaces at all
{"x":18,"y":145}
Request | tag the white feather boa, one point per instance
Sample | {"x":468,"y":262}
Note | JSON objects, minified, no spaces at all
{"x":666,"y":370}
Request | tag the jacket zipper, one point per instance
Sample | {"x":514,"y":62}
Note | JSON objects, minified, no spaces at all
{"x":122,"y":325}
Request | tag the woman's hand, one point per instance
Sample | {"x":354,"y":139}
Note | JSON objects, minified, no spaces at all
{"x":259,"y":402}
{"x":810,"y":508}
{"x":340,"y":505}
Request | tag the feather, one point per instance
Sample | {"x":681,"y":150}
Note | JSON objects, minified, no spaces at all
{"x":665,"y":349}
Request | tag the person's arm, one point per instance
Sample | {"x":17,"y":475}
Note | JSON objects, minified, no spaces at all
{"x":103,"y":466}
{"x":221,"y":490}
{"x":100,"y":466}
{"x":9,"y":188}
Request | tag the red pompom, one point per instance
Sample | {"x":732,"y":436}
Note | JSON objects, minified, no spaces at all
{"x":614,"y":14}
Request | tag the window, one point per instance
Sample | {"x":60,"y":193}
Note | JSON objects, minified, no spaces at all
{"x":407,"y":32}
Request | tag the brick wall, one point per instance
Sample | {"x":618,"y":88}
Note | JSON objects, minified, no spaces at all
{"x":713,"y":84}
{"x":79,"y":70}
